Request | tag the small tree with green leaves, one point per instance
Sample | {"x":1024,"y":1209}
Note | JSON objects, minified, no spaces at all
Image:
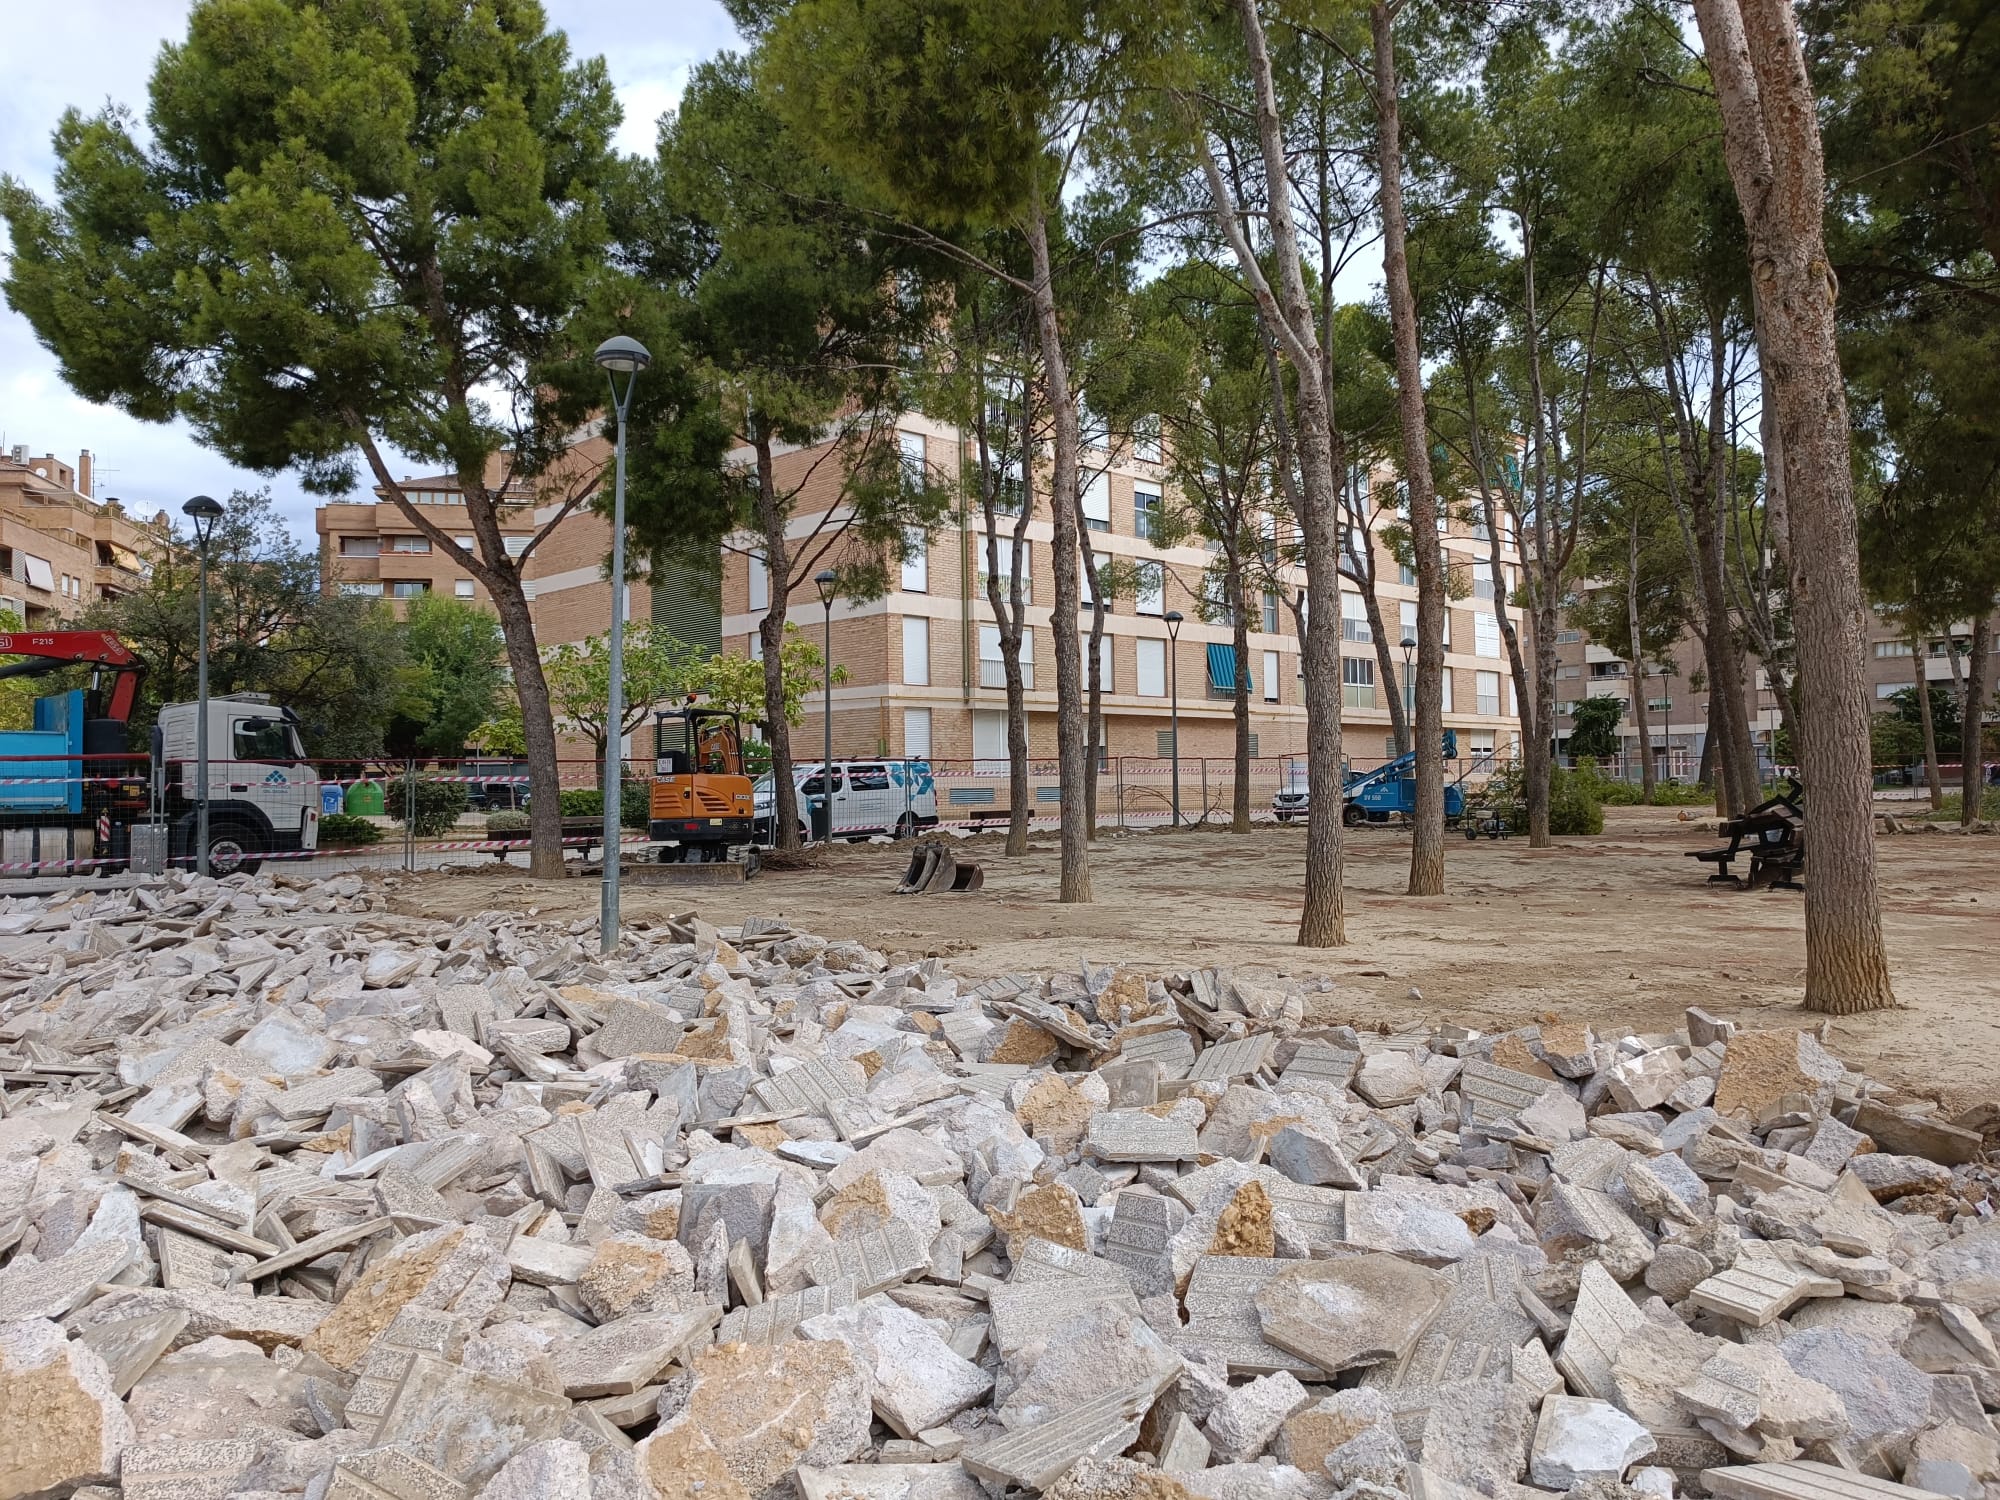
{"x":1594,"y":728}
{"x":658,"y":669}
{"x":736,"y":683}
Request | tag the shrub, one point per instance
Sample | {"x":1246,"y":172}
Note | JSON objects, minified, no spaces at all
{"x":507,"y":823}
{"x":339,"y":831}
{"x":1574,"y":807}
{"x":438,"y":804}
{"x":635,"y":803}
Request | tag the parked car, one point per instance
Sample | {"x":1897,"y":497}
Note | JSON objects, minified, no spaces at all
{"x":896,"y":797}
{"x":1292,"y":800}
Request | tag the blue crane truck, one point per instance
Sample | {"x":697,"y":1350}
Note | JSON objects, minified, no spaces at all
{"x":1388,"y":792}
{"x":73,"y":789}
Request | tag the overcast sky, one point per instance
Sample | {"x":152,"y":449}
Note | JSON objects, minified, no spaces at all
{"x":84,"y":52}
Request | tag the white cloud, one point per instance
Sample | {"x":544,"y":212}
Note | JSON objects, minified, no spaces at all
{"x":91,"y":51}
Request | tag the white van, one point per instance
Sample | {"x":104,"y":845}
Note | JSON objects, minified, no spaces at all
{"x":896,"y":797}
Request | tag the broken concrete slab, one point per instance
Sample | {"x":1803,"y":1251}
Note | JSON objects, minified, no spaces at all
{"x":1346,"y":1313}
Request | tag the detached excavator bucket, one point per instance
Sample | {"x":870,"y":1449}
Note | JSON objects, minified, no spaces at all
{"x":923,"y":860}
{"x":934,"y":867}
{"x":943,"y":871}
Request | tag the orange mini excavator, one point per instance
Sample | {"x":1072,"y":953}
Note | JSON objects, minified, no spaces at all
{"x":702,"y":804}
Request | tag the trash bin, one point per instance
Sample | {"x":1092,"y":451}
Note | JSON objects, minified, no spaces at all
{"x":364,"y":800}
{"x":331,"y":798}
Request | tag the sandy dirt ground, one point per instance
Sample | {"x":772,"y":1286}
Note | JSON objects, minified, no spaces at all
{"x":1617,"y":930}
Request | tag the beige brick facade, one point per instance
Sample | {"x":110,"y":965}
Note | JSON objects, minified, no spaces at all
{"x":891,"y":697}
{"x":62,"y":548}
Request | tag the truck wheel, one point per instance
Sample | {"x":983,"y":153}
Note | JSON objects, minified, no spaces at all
{"x":1353,"y":815}
{"x":232,"y":850}
{"x":906,"y":826}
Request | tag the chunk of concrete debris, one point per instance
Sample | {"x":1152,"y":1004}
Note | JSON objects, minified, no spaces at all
{"x":917,"y":1381}
{"x":1579,"y":1439}
{"x":1341,"y":1314}
{"x":753,"y":1414}
{"x":66,"y":1425}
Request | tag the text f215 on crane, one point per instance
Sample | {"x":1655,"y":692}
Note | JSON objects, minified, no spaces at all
{"x":78,"y":796}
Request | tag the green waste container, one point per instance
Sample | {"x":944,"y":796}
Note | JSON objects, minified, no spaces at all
{"x":364,"y":800}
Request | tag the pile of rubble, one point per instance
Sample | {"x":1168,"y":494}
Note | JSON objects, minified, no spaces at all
{"x":299,"y":1197}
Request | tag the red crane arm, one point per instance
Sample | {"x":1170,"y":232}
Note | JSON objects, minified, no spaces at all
{"x":96,"y":647}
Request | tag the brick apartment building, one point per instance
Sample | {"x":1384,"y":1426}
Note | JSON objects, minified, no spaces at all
{"x":61,"y":548}
{"x":924,"y":674}
{"x":370,"y":548}
{"x":1677,"y":709}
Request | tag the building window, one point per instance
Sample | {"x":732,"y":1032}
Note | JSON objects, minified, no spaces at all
{"x":1885,"y":649}
{"x":516,"y":545}
{"x":1163,"y":743}
{"x":1150,"y":597}
{"x":360,"y":546}
{"x":1444,"y":685}
{"x":989,"y":742}
{"x":463,"y":589}
{"x":362,"y":590}
{"x":910,"y":449}
{"x":1271,"y":624}
{"x":993,"y":668}
{"x":917,"y":650}
{"x":1357,"y":682}
{"x":1146,"y":441}
{"x":1027,"y":566}
{"x":1407,"y":610}
{"x":409,"y":544}
{"x":916,"y":560}
{"x":1271,"y":679}
{"x":1151,"y":664}
{"x":1571,"y":637}
{"x":1569,"y":671}
{"x":1097,"y":501}
{"x":1104,"y":659}
{"x":1485,"y":633}
{"x":1487,"y":686}
{"x":1663,"y":705}
{"x":1406,"y":575}
{"x":760,"y":583}
{"x":1354,"y":618}
{"x":917,"y":733}
{"x":1603,"y":669}
{"x":409,"y":588}
{"x":1145,"y":514}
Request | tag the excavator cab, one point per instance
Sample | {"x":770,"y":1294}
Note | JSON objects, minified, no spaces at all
{"x":702,"y":802}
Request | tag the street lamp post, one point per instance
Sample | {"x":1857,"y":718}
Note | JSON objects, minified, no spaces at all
{"x":1409,"y":691}
{"x":616,"y":356}
{"x":826,"y":580}
{"x":203,"y":512}
{"x":1174,"y":618}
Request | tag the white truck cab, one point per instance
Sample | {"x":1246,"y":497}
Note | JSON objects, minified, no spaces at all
{"x":263,"y":797}
{"x":896,"y":797}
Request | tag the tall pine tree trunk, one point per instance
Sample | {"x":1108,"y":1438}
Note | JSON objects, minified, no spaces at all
{"x":1239,"y":804}
{"x":1932,"y":778}
{"x":1287,"y":315}
{"x":1074,"y":884}
{"x":1427,"y":841}
{"x":1638,"y":664}
{"x":771,"y":633}
{"x":1971,"y":739}
{"x":538,"y":732}
{"x":1771,"y":140}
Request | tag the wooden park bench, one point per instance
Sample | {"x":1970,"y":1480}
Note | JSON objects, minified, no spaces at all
{"x":989,"y":814}
{"x":589,"y":828}
{"x":1772,"y":834}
